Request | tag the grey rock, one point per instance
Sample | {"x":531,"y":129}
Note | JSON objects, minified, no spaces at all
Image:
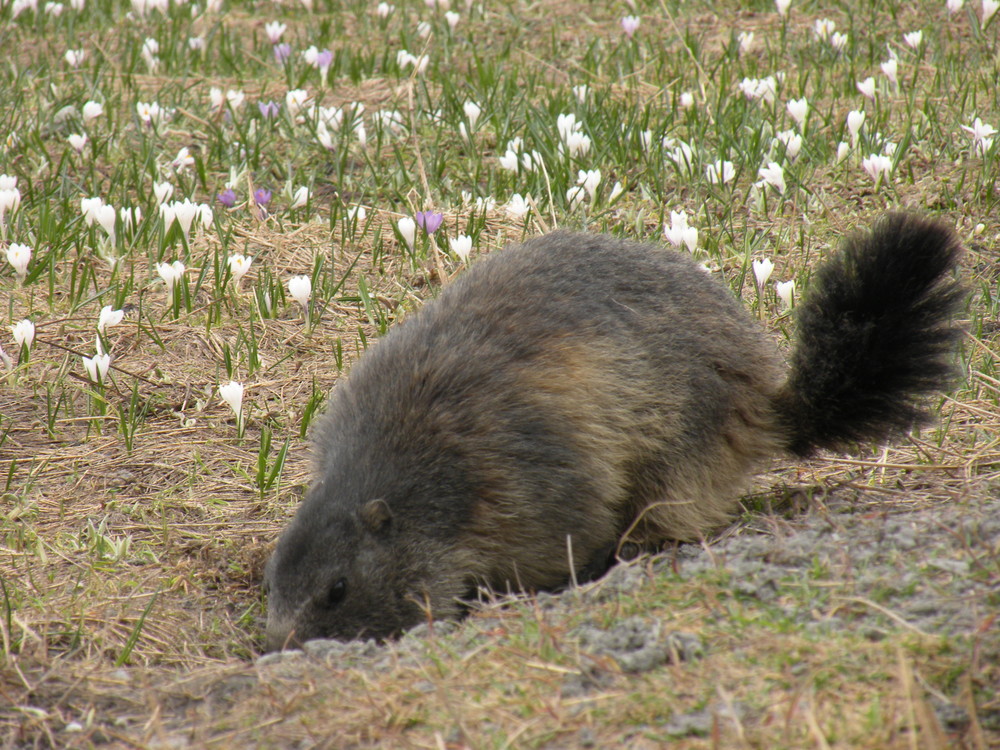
{"x":638,"y":644}
{"x":279,"y":657}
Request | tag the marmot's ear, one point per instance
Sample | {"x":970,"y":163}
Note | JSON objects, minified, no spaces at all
{"x":376,"y":515}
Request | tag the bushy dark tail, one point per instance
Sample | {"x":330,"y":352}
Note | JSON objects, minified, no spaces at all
{"x":875,"y":336}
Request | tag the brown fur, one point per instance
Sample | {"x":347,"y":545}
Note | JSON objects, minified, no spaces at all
{"x":557,"y":396}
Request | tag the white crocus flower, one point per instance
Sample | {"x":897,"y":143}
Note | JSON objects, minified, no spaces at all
{"x":300,"y":197}
{"x":982,"y":134}
{"x":407,"y":230}
{"x":205,"y":216}
{"x":89,"y":208}
{"x":823,"y":27}
{"x":183,"y":160}
{"x":793,"y":143}
{"x":855,"y":119}
{"x":461,"y":246}
{"x":578,"y":144}
{"x":97,"y":366}
{"x":531,"y":161}
{"x":877,"y":166}
{"x":518,"y":206}
{"x":109,"y":317}
{"x":799,"y":110}
{"x":24,"y":333}
{"x":300,"y":287}
{"x":566,"y":124}
{"x":867,"y":87}
{"x":105,"y":215}
{"x":216,"y":99}
{"x":786,"y":292}
{"x":296,"y":101}
{"x":509,"y":161}
{"x":590,"y":180}
{"x":990,"y":8}
{"x":19,"y":256}
{"x":171,"y":273}
{"x":890,"y":68}
{"x":10,"y":196}
{"x":183,"y":212}
{"x":773,"y":175}
{"x":232,"y":394}
{"x":238,"y":266}
{"x":680,"y":232}
{"x":575,"y":196}
{"x":162,"y":191}
{"x":720,"y":172}
{"x":151,"y":114}
{"x":472,"y":112}
{"x":274,"y":30}
{"x":130,"y":216}
{"x":762,"y":271}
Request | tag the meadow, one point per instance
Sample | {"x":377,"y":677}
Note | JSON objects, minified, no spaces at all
{"x":209,"y":210}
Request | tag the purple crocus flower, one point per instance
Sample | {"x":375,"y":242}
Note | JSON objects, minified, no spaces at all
{"x":227,"y":197}
{"x":268,"y":109}
{"x":429,"y":221}
{"x":324,"y":59}
{"x":630,"y":24}
{"x":282,"y":52}
{"x":262,"y":196}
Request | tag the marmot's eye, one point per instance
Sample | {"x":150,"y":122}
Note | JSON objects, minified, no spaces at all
{"x":336,"y":592}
